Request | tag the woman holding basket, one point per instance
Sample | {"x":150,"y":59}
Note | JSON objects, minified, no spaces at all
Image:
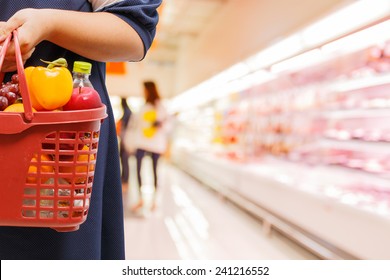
{"x":93,"y":31}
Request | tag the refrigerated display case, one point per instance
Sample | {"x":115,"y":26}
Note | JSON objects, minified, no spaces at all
{"x":308,"y":147}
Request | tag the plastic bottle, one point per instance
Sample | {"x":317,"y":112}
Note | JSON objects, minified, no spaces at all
{"x":81,"y":72}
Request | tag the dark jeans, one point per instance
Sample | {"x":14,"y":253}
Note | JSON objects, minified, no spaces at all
{"x":124,"y":156}
{"x":139,"y":154}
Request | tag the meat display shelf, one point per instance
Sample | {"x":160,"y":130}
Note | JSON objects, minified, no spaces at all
{"x":336,"y":222}
{"x":308,"y":149}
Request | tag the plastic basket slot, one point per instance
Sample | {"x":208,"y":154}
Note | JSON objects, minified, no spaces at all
{"x":78,"y":202}
{"x":46,"y":193}
{"x":63,"y":203}
{"x":90,"y":179}
{"x":63,"y":214}
{"x":66,"y":158}
{"x":64,"y":192}
{"x":30,"y":192}
{"x":66,"y":166}
{"x":27,"y":213}
{"x":66,"y":177}
{"x":79,"y":191}
{"x":46,"y":203}
{"x":46,"y":214}
{"x":78,"y":213}
{"x":29,"y":202}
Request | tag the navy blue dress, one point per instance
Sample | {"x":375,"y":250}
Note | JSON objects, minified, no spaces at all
{"x":102,"y":235}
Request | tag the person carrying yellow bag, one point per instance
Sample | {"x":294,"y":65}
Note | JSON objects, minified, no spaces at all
{"x":148,"y":135}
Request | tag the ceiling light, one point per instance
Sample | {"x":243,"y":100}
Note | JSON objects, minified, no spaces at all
{"x":354,"y":16}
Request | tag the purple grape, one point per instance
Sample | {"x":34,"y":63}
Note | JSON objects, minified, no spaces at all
{"x":13,"y":87}
{"x":3,"y":91}
{"x":9,"y":92}
{"x":15,"y":79}
{"x":11,"y":97}
{"x":3,"y":103}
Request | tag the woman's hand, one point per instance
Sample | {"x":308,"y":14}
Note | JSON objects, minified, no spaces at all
{"x":31,"y":27}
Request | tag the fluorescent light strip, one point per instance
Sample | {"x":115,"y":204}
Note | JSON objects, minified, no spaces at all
{"x":356,"y":15}
{"x":299,"y":61}
{"x":277,"y":52}
{"x":373,"y":35}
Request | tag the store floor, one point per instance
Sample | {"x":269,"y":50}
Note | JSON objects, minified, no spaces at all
{"x":194,"y":223}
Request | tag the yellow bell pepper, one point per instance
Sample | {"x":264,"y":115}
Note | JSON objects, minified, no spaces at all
{"x":50,"y":87}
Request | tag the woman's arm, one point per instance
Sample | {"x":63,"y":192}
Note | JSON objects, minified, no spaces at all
{"x":99,"y":36}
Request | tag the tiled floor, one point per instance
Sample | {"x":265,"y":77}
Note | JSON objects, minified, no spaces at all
{"x":192,"y":222}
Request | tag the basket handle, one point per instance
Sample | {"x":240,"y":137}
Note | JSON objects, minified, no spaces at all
{"x":2,"y":55}
{"x":23,"y":88}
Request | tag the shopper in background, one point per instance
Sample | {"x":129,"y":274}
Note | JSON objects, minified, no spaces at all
{"x":93,"y":31}
{"x":149,"y":128}
{"x":123,"y":153}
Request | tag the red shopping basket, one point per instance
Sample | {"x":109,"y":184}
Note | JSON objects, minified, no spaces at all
{"x":47,"y":162}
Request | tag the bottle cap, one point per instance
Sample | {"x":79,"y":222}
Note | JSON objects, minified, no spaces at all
{"x":82,"y":67}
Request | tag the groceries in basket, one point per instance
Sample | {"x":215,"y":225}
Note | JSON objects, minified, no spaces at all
{"x":50,"y":88}
{"x":9,"y":92}
{"x":47,"y":154}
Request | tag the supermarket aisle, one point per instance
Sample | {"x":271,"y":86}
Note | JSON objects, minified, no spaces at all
{"x":192,"y":222}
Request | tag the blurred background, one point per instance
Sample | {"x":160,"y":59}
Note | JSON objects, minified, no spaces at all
{"x":279,"y":147}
